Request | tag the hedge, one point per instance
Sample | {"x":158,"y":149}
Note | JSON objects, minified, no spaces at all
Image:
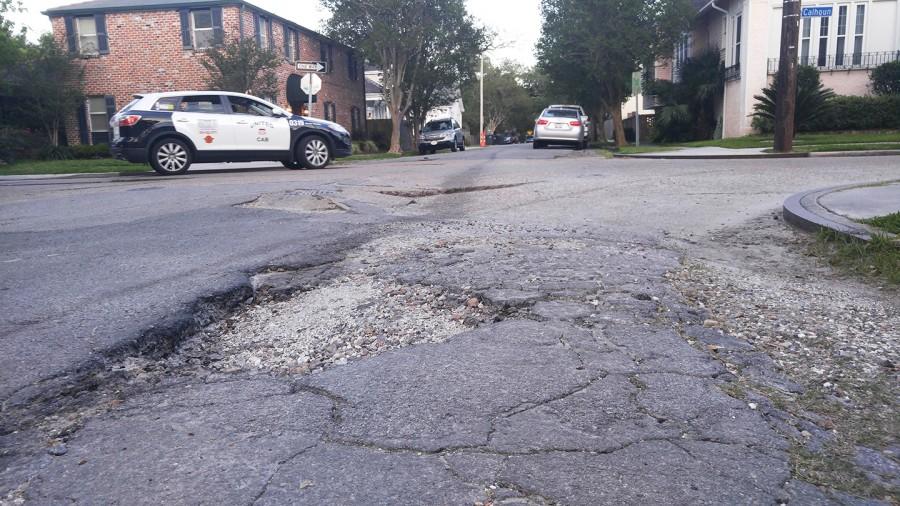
{"x":859,"y":113}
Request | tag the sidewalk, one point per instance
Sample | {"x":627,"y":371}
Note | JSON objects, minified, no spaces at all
{"x":840,"y":208}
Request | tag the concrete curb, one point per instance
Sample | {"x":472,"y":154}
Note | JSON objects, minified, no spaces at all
{"x":835,"y":154}
{"x":804,"y":211}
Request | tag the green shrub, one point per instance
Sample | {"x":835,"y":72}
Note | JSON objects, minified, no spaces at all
{"x":812,"y":99}
{"x":20,"y":144}
{"x":886,"y":79}
{"x":55,"y":153}
{"x":858,"y":113}
{"x":88,"y":152}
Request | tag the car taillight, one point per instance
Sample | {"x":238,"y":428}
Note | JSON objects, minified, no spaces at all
{"x":542,"y":122}
{"x":575,"y":123}
{"x":130,"y":120}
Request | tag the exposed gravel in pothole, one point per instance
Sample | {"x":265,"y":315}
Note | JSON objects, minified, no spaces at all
{"x":835,"y":336}
{"x":350,"y":317}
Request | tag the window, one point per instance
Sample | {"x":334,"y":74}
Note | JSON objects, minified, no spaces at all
{"x":352,"y":66}
{"x":291,"y":44}
{"x":263,"y":32}
{"x":98,"y":119}
{"x":167,"y":104}
{"x":804,"y":40}
{"x":202,"y":28}
{"x":330,"y":111}
{"x":682,"y":53}
{"x":244,"y":105}
{"x":356,"y":120}
{"x":858,"y":34}
{"x":210,"y":104}
{"x":841,"y":35}
{"x":88,"y":41}
{"x":326,"y":54}
{"x":823,"y":42}
{"x":736,"y":59}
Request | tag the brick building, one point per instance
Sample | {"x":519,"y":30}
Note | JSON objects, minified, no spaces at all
{"x":143,"y":46}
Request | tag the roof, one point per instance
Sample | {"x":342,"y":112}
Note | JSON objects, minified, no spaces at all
{"x":103,"y":6}
{"x":373,"y":86}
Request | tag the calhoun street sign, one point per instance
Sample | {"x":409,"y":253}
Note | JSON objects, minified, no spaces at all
{"x":312,"y":66}
{"x":816,"y":12}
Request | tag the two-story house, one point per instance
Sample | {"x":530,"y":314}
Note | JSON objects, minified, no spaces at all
{"x":140,"y":46}
{"x":858,"y":36}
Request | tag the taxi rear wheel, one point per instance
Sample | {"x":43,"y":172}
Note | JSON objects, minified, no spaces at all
{"x":170,"y":156}
{"x":313,"y":152}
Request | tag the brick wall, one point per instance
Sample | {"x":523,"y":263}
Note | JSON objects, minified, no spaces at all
{"x":146,"y":55}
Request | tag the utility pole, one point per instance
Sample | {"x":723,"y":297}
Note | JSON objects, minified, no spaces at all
{"x":786,"y":88}
{"x":482,"y":138}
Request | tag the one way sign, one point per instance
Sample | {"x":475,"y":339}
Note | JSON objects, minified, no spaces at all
{"x":312,"y":66}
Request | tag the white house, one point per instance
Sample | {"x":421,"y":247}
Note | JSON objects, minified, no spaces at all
{"x":376,"y":107}
{"x":858,"y":36}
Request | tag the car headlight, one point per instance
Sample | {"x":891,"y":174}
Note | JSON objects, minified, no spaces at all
{"x":338,"y":128}
{"x":449,"y":136}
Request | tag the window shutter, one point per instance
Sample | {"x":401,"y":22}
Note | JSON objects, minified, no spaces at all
{"x":218,"y":29}
{"x":323,"y":52}
{"x":110,"y":112}
{"x":83,"y":133}
{"x":186,"y":41}
{"x":71,"y":39}
{"x":102,"y":37}
{"x":287,"y":41}
{"x":271,"y":36}
{"x":256,"y":29}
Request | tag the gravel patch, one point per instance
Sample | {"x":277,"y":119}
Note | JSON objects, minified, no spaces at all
{"x":835,"y":338}
{"x":350,"y":317}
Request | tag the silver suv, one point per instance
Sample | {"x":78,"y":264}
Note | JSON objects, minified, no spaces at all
{"x":440,"y":134}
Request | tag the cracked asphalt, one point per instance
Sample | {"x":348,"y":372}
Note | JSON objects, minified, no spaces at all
{"x":577,"y":382}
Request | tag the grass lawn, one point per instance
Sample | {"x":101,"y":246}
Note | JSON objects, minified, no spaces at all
{"x":372,"y":156}
{"x":889,"y":223}
{"x":878,"y":258}
{"x":823,"y":141}
{"x":822,"y":148}
{"x":29,"y":167}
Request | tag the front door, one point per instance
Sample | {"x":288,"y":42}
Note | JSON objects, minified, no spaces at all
{"x":256,"y":126}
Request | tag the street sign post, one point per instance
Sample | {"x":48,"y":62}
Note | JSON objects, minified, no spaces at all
{"x":311,"y":84}
{"x":817,"y":12}
{"x":319,"y":67}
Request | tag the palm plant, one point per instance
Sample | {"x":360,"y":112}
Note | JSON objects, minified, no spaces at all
{"x":688,"y":110}
{"x":812,"y":99}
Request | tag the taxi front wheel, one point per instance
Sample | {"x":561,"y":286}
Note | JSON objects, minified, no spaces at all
{"x":313,"y":152}
{"x":170,"y":156}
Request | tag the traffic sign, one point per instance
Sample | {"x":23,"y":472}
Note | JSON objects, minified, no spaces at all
{"x":311,"y":84}
{"x":312,"y":66}
{"x":817,"y":12}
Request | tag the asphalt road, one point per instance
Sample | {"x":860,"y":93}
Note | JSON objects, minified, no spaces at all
{"x":95,"y":269}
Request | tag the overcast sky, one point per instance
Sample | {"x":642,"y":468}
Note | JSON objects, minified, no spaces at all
{"x":516,"y":22}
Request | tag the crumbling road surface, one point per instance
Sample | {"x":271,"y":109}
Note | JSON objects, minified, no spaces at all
{"x":499,"y":326}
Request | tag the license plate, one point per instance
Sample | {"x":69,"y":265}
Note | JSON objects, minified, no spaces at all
{"x":434,"y":143}
{"x":559,"y":126}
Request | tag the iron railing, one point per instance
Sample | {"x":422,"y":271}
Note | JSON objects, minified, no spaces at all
{"x":733,"y":73}
{"x":846,"y":61}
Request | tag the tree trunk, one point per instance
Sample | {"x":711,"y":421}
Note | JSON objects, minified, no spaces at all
{"x":396,"y":121}
{"x":618,"y":126}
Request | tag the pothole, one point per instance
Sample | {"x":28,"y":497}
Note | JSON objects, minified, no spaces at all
{"x":297,"y":201}
{"x":430,"y":192}
{"x":351,"y":317}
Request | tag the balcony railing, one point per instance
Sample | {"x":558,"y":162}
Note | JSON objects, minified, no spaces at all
{"x":847,"y":61}
{"x":733,"y":73}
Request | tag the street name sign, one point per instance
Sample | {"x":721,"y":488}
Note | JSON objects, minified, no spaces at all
{"x":312,"y":66}
{"x":817,"y":12}
{"x":311,"y":84}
